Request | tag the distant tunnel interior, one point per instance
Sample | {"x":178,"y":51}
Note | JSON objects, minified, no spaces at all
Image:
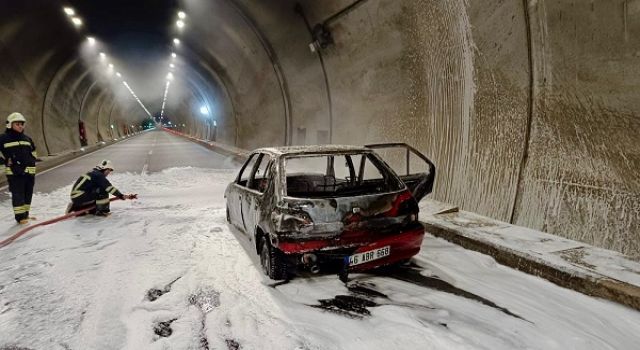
{"x":528,"y":108}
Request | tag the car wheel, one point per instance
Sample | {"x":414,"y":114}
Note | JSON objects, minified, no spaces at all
{"x":272,"y":261}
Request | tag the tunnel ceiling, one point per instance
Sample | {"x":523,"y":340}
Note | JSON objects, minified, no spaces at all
{"x":221,"y":53}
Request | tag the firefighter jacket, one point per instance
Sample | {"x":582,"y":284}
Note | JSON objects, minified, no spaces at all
{"x":94,"y":183}
{"x":19,"y":151}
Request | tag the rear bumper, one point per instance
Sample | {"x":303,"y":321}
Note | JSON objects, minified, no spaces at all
{"x":404,"y":245}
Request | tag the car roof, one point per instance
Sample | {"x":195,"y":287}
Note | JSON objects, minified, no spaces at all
{"x":311,"y":149}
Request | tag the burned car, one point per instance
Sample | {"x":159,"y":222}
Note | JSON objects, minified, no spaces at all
{"x":316,"y":206}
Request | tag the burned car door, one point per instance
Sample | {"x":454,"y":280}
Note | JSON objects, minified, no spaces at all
{"x":238,"y":191}
{"x":252,"y":200}
{"x":413,"y":168}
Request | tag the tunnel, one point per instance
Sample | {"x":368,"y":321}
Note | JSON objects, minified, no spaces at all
{"x":529,"y":108}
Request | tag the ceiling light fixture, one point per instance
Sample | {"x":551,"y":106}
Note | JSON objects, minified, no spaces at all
{"x":176,"y":41}
{"x":180,"y":23}
{"x":136,"y":97}
{"x":164,"y":99}
{"x":181,"y":15}
{"x":103,"y":58}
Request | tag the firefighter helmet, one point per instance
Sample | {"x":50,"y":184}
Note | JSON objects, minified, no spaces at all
{"x":15,"y":117}
{"x":105,"y":164}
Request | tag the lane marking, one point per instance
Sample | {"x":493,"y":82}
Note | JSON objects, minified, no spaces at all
{"x":145,"y":167}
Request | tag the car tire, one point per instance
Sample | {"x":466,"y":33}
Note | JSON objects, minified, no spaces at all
{"x":272,"y":261}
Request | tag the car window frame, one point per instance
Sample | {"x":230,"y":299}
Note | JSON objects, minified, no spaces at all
{"x":239,"y":177}
{"x":255,"y":169}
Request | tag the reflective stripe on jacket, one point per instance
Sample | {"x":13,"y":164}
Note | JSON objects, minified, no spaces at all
{"x":93,"y":182}
{"x":19,"y":150}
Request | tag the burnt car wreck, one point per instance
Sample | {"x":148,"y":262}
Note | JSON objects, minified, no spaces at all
{"x":319,"y":206}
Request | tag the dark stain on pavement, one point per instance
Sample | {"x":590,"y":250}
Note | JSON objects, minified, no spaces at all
{"x":153,"y":294}
{"x":412,"y":275}
{"x":347,"y":305}
{"x":277,"y":284}
{"x":232,"y":344}
{"x":365,"y":289}
{"x":163,"y":329}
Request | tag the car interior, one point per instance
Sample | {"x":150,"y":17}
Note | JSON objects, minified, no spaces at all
{"x":344,"y":175}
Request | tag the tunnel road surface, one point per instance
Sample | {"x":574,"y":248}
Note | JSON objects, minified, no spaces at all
{"x":166,"y":271}
{"x":149,"y":152}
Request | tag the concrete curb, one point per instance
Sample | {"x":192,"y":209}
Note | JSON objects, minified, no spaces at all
{"x":237,"y":154}
{"x":607,"y":288}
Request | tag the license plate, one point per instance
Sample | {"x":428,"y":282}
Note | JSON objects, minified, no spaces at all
{"x":370,"y":255}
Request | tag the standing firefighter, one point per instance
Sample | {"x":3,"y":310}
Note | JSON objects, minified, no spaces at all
{"x":93,"y":189}
{"x":19,"y":154}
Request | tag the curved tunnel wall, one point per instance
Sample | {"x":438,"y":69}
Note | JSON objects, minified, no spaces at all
{"x":43,"y":76}
{"x":201,"y":86}
{"x":244,"y":68}
{"x":582,"y":175}
{"x":528,"y":108}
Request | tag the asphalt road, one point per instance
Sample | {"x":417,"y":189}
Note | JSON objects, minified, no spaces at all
{"x":149,"y":152}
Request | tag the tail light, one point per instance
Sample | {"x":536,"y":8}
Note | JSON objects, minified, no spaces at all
{"x":405,"y":204}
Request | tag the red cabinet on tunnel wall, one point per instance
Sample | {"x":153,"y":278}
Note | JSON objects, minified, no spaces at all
{"x":83,"y":133}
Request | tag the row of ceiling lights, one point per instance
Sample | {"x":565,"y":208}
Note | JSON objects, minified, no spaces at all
{"x":71,"y":13}
{"x":180,"y":23}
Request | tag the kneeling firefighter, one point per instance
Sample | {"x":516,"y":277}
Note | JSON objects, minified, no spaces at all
{"x":19,"y":154}
{"x":93,"y":189}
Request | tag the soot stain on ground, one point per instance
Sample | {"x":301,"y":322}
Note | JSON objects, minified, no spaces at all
{"x":163,"y":329}
{"x":347,"y":305}
{"x":413,"y":275}
{"x":153,"y":294}
{"x":356,"y":305}
{"x":232,"y":344}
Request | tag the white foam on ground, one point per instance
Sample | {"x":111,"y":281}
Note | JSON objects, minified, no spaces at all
{"x":82,"y":284}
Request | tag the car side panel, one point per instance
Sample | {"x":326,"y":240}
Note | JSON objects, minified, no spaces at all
{"x":234,"y":199}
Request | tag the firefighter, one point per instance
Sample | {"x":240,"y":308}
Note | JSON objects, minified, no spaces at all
{"x":93,"y":189}
{"x":19,"y":158}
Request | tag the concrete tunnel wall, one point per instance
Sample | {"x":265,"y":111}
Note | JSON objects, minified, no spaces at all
{"x":527,"y":108}
{"x":43,"y":76}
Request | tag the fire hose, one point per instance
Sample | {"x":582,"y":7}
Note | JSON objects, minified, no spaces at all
{"x":72,"y":214}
